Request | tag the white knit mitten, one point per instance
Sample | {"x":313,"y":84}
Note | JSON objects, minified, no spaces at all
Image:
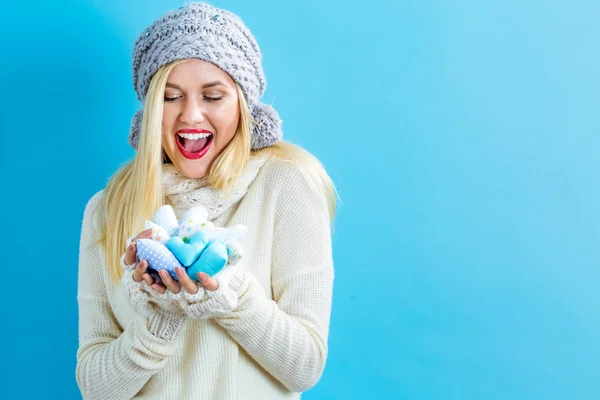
{"x":165,"y":316}
{"x":211,"y":303}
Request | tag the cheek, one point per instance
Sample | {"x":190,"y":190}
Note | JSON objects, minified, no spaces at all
{"x":167,"y":127}
{"x":167,"y":119}
{"x":227,"y":119}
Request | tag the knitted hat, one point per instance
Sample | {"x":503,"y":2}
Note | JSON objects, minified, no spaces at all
{"x":199,"y":30}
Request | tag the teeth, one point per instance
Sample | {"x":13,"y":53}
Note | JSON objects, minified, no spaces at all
{"x":194,"y":136}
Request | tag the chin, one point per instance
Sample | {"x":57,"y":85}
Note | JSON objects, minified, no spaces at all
{"x":191,"y":171}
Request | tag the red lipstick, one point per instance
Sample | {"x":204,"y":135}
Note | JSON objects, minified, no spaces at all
{"x":193,"y":131}
{"x":199,"y":154}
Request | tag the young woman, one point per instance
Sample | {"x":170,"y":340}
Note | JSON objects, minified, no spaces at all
{"x":256,"y":330}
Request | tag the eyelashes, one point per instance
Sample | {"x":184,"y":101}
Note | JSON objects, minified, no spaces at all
{"x":206,"y":98}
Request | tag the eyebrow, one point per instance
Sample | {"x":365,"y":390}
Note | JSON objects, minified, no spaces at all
{"x":205,"y":86}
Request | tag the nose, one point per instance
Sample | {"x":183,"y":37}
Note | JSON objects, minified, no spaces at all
{"x":192,"y":113}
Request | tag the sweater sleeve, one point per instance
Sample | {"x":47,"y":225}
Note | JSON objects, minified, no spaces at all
{"x":114,"y":362}
{"x":288,"y":335}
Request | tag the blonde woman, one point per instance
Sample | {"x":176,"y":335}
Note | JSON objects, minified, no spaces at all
{"x":256,"y":330}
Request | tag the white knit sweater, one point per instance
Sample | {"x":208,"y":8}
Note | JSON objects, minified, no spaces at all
{"x":272,"y":346}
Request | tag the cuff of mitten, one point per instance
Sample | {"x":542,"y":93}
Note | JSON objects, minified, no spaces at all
{"x":237,"y":283}
{"x":133,"y":291}
{"x":211,"y":303}
{"x":126,"y":266}
{"x":249,"y":293}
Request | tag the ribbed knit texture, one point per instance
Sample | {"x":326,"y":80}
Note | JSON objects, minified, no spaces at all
{"x":272,"y":346}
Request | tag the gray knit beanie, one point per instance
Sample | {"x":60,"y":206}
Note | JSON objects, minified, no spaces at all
{"x":199,"y":30}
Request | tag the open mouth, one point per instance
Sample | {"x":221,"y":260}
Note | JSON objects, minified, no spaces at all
{"x":194,"y":145}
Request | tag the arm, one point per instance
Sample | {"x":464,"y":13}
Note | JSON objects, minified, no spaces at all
{"x":112,"y":362}
{"x":288,"y":335}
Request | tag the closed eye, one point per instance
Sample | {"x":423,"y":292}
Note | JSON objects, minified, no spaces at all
{"x":206,"y":98}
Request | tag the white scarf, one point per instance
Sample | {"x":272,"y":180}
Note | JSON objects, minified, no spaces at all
{"x":182,"y":192}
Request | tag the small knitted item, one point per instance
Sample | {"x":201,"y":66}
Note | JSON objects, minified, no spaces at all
{"x":211,"y":260}
{"x":165,"y":217}
{"x":158,"y":256}
{"x":200,"y":247}
{"x":193,"y":221}
{"x":187,"y":250}
{"x":208,"y":250}
{"x":202,"y":31}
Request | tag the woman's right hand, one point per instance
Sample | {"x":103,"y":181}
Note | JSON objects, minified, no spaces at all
{"x":146,"y":301}
{"x":138,"y":296}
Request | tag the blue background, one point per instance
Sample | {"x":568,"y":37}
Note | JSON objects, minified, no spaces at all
{"x":463,"y":138}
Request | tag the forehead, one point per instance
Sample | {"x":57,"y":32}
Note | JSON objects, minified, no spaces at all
{"x":198,"y":72}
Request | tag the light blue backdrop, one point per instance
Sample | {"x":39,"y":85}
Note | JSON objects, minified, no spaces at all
{"x":463,"y":137}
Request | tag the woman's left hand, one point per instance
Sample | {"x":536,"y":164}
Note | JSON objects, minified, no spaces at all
{"x":206,"y":298}
{"x":184,"y":281}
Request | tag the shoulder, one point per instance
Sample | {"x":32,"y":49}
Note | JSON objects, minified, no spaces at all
{"x":93,"y":207}
{"x":279,"y":175}
{"x":291,"y":183}
{"x":94,"y":201}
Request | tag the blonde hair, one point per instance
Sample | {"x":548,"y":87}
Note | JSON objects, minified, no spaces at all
{"x":134,"y":192}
